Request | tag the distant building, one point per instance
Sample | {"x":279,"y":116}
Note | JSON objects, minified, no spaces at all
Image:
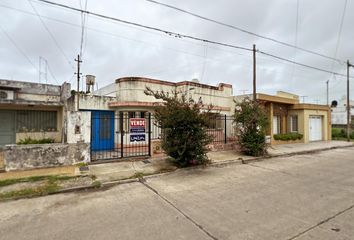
{"x":339,"y":112}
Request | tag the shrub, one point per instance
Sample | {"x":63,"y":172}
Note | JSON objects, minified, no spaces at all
{"x":288,"y":136}
{"x":184,"y":128}
{"x":29,"y":140}
{"x":338,"y":133}
{"x":251,"y":120}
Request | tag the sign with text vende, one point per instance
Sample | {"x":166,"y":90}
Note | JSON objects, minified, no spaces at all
{"x":137,"y":129}
{"x":137,"y":125}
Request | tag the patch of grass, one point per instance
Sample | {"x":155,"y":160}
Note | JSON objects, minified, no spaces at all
{"x":81,"y":164}
{"x":138,"y":175}
{"x":50,"y":187}
{"x":96,"y":184}
{"x":50,"y":178}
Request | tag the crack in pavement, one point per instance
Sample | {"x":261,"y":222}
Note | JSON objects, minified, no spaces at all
{"x":322,"y":222}
{"x":143,"y":181}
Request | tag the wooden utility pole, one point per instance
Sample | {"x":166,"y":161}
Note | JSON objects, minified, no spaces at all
{"x":327,"y":92}
{"x":254,"y":74}
{"x":348,"y":102}
{"x":78,"y":81}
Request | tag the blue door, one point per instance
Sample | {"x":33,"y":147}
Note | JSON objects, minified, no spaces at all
{"x":102,"y":130}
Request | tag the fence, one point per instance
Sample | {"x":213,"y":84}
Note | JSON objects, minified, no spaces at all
{"x":122,"y":136}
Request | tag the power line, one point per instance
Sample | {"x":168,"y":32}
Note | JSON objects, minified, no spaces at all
{"x":18,"y":48}
{"x":51,"y":34}
{"x":179,"y":35}
{"x":175,"y":34}
{"x":302,"y":64}
{"x":339,"y":34}
{"x":83,"y":22}
{"x":244,"y":31}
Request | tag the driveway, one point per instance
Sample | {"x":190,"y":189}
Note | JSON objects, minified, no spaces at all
{"x":298,"y":197}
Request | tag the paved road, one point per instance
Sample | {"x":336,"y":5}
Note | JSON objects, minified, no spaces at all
{"x":298,"y":197}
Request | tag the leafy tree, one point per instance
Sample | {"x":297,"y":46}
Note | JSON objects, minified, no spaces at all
{"x":184,"y":127}
{"x":252,"y":121}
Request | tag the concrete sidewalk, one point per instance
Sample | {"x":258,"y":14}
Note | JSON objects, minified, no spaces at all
{"x":123,"y":170}
{"x":110,"y":172}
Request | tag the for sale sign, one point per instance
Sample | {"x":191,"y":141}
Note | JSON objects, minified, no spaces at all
{"x":137,"y":129}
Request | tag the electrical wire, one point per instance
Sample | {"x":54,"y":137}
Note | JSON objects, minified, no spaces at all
{"x":171,"y":33}
{"x":339,"y":37}
{"x":179,"y":35}
{"x":83,"y":32}
{"x":18,"y":48}
{"x":51,"y":35}
{"x":302,"y":64}
{"x":244,"y":31}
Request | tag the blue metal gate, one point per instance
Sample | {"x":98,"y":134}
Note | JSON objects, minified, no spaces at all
{"x":102,"y":130}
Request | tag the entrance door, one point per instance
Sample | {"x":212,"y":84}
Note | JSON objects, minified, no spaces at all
{"x":315,"y":131}
{"x":102,"y":130}
{"x":7,"y":127}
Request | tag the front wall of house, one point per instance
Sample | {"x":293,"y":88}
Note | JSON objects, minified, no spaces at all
{"x":133,"y":91}
{"x":326,"y":125}
{"x":55,"y":134}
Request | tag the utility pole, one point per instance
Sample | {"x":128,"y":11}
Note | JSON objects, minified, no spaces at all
{"x":254,"y":74}
{"x":303,"y":98}
{"x":327,"y":93}
{"x":348,"y":102}
{"x":78,"y":80}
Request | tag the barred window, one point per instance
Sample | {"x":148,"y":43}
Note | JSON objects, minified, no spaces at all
{"x":293,"y":123}
{"x":36,"y":121}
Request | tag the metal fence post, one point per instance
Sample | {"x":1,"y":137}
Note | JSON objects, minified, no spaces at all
{"x":225,"y":130}
{"x":121,"y":121}
{"x":149,"y":134}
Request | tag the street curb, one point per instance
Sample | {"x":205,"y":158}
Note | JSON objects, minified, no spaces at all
{"x":107,"y":185}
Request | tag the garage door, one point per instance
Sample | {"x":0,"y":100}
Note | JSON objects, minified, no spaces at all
{"x":315,"y":128}
{"x":7,"y":127}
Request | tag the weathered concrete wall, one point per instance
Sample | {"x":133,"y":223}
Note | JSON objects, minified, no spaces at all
{"x":35,"y":93}
{"x":79,"y":127}
{"x":132,"y":90}
{"x":22,"y":157}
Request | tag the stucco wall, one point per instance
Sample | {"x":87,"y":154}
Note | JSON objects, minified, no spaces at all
{"x":90,"y":102}
{"x":326,"y":125}
{"x":79,"y":127}
{"x":23,"y":157}
{"x":133,"y":91}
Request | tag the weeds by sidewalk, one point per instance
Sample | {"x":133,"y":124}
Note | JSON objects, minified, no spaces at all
{"x":37,"y":185}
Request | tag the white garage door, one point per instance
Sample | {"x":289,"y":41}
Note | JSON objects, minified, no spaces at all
{"x":315,"y":128}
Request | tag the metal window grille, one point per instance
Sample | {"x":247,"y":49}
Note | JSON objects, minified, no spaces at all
{"x":36,"y":121}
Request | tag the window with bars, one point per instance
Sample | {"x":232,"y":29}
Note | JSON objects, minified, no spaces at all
{"x":36,"y":121}
{"x":293,"y":123}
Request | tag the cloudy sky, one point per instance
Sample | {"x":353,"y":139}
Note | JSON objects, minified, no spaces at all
{"x":112,"y":50}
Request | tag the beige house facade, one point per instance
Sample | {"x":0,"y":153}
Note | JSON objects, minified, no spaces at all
{"x":287,"y":115}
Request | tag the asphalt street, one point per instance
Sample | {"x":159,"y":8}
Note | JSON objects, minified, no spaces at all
{"x":298,"y":197}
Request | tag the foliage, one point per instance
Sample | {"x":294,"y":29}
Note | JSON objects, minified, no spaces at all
{"x":29,"y":140}
{"x":338,"y":133}
{"x":184,"y":127}
{"x":288,"y":136}
{"x":341,"y":134}
{"x":251,"y":120}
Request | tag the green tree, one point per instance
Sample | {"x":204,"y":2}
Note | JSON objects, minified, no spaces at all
{"x":251,"y":121}
{"x":184,"y":127}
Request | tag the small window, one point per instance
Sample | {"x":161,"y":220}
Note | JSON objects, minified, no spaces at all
{"x":293,"y":123}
